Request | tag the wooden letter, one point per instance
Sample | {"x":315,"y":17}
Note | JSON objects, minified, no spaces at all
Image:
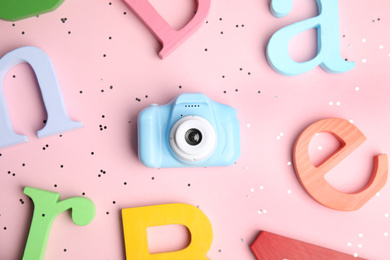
{"x":137,"y":220}
{"x":20,"y":9}
{"x":169,"y":38}
{"x":327,"y":25}
{"x":268,"y":246}
{"x":312,"y":178}
{"x":46,"y":208}
{"x":58,"y":120}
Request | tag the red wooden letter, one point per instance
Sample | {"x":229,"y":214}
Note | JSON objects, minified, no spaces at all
{"x":268,"y":246}
{"x":312,"y":178}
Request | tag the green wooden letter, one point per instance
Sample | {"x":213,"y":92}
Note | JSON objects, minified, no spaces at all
{"x":46,"y":208}
{"x":14,"y":10}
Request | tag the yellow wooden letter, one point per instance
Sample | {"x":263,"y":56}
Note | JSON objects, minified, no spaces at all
{"x":137,"y":220}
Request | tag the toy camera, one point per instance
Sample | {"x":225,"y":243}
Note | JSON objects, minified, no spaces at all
{"x":190,"y":131}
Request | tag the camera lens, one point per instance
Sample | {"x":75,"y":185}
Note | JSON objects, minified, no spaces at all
{"x":193,"y":136}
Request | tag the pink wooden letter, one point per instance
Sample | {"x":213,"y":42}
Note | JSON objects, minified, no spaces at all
{"x":169,"y":38}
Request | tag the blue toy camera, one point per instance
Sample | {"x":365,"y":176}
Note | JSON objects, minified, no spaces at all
{"x":190,"y":131}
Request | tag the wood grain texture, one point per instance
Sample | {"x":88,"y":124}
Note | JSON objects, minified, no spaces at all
{"x":269,"y":246}
{"x":312,"y":178}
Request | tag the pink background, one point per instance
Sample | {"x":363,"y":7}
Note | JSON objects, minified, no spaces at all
{"x":260,"y":191}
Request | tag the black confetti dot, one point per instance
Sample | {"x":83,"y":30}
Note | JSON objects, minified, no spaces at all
{"x":43,"y":215}
{"x":65,"y":250}
{"x":5,"y":228}
{"x":109,"y":37}
{"x":23,"y":32}
{"x":107,"y":213}
{"x":83,"y":193}
{"x":113,"y":202}
{"x":125,"y":183}
{"x":92,"y":153}
{"x":124,"y":13}
{"x":63,"y":20}
{"x":69,"y":32}
{"x":81,"y":92}
{"x":13,"y":24}
{"x":55,"y":185}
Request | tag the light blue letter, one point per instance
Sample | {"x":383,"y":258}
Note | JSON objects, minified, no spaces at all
{"x":327,"y":25}
{"x":57,"y":119}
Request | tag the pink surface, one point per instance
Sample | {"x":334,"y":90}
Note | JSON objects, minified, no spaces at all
{"x":108,"y":68}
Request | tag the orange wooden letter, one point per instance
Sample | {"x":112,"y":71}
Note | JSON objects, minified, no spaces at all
{"x":312,"y":178}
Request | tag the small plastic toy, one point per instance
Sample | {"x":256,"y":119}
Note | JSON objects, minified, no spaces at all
{"x":21,"y":9}
{"x":137,"y":220}
{"x":58,"y":120}
{"x":47,"y":206}
{"x":190,"y":131}
{"x":168,"y":37}
{"x":272,"y":246}
{"x":313,"y":178}
{"x":327,"y":25}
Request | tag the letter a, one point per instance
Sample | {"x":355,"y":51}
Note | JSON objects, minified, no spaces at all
{"x":312,"y":178}
{"x":169,"y":38}
{"x":137,"y":220}
{"x":58,"y":120}
{"x":46,"y":208}
{"x":327,"y":25}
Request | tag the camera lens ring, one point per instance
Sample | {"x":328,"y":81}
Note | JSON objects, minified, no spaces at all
{"x":204,"y":146}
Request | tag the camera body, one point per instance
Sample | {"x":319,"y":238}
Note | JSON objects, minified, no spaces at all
{"x":190,"y":131}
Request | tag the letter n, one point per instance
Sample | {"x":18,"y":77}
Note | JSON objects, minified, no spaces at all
{"x":58,"y":120}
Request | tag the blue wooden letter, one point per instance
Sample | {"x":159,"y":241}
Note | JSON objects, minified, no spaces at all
{"x":57,"y":119}
{"x":327,"y":25}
